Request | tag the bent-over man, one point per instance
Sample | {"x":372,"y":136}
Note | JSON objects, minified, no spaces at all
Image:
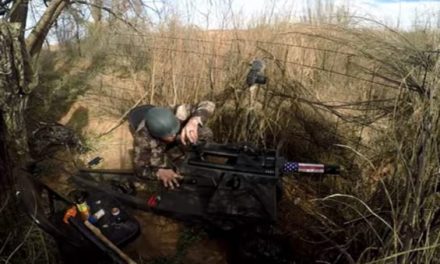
{"x":155,"y":129}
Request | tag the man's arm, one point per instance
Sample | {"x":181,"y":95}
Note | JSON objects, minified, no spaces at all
{"x":150,"y":160}
{"x":149,"y":155}
{"x":204,"y":110}
{"x":194,"y":116}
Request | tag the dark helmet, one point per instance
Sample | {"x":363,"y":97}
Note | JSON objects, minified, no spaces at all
{"x":161,"y":122}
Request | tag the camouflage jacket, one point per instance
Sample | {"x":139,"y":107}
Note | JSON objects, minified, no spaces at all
{"x":151,"y":154}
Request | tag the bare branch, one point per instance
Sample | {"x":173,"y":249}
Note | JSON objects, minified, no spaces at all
{"x":36,"y":38}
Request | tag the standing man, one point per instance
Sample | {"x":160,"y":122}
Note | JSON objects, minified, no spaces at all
{"x":156,"y":128}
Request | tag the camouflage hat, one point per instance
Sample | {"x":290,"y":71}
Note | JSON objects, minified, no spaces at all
{"x":161,"y":122}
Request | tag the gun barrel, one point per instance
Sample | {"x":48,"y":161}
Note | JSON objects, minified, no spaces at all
{"x":290,"y":167}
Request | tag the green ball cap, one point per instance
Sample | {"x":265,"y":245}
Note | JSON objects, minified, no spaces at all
{"x":161,"y":122}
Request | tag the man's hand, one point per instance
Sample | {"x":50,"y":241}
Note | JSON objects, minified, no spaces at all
{"x":169,"y":178}
{"x":190,"y":131}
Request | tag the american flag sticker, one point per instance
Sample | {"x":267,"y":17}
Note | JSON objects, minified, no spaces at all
{"x":311,"y":168}
{"x":303,"y":167}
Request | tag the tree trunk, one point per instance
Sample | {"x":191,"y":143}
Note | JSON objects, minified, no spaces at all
{"x":19,"y":14}
{"x":16,"y":82}
{"x":36,"y":38}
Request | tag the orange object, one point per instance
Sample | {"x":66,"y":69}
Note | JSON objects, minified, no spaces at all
{"x":71,"y":212}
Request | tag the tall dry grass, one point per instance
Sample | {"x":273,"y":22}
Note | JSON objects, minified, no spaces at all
{"x":397,"y":222}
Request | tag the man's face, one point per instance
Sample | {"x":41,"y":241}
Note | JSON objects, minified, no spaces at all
{"x":168,"y":139}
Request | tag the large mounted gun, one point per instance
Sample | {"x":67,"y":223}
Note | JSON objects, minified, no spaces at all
{"x":244,"y":180}
{"x":247,"y":159}
{"x":225,"y":185}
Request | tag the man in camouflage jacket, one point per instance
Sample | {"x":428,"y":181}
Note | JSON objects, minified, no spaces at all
{"x":155,"y":129}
